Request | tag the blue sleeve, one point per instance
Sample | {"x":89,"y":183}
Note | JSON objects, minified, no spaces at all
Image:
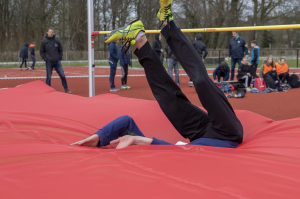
{"x":159,"y":142}
{"x":215,"y":72}
{"x":227,"y":72}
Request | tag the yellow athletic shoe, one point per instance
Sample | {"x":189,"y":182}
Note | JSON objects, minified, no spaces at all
{"x":127,"y":33}
{"x":165,"y":11}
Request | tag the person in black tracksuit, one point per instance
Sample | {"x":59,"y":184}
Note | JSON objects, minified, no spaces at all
{"x":156,"y":45}
{"x":32,"y":55}
{"x":199,"y":47}
{"x":124,"y":62}
{"x":51,"y":52}
{"x":24,"y":55}
{"x":245,"y":73}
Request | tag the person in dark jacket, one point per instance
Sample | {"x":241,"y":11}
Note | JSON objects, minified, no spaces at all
{"x":199,"y":47}
{"x":51,"y":52}
{"x":156,"y":45}
{"x":24,"y":55}
{"x":237,"y":49}
{"x":222,"y":71}
{"x":254,"y":58}
{"x":113,"y":62}
{"x":245,"y":73}
{"x":32,"y":55}
{"x":124,"y":62}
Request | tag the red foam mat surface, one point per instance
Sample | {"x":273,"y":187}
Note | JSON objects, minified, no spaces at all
{"x":38,"y":124}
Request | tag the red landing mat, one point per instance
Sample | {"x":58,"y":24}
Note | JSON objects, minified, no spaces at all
{"x":38,"y":124}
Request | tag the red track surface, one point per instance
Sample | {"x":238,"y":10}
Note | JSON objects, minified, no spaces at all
{"x":278,"y":106}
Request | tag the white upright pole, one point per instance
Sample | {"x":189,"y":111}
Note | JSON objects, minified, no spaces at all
{"x":90,"y":13}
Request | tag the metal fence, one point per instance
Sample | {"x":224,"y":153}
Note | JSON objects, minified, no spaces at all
{"x":291,"y":55}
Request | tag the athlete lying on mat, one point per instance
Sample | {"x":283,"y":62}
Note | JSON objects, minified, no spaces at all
{"x":218,"y":127}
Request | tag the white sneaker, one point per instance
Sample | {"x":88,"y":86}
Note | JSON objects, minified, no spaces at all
{"x":191,"y":84}
{"x":248,"y":89}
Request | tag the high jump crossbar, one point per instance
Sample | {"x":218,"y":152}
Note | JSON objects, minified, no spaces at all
{"x":227,"y":29}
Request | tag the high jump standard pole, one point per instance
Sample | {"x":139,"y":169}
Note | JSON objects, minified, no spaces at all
{"x":90,"y":13}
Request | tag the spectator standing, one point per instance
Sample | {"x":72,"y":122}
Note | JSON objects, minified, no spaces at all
{"x":124,"y":62}
{"x":199,"y":47}
{"x":282,"y":70}
{"x":221,"y":71}
{"x":113,"y":62}
{"x":51,"y":52}
{"x":156,"y":45}
{"x":245,"y":73}
{"x":32,"y":55}
{"x":237,"y":49}
{"x":173,"y":63}
{"x":254,"y":58}
{"x":24,"y":55}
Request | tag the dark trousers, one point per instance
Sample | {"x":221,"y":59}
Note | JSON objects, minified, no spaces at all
{"x":124,"y":74}
{"x":58,"y":67}
{"x":284,"y":77}
{"x":233,"y":63}
{"x":113,"y":69}
{"x":24,"y":60}
{"x":33,"y":62}
{"x":220,"y":74}
{"x":253,"y":70}
{"x":273,"y":74}
{"x":189,"y":120}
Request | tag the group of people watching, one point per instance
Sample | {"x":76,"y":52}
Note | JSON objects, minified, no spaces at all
{"x":269,"y":71}
{"x":277,"y":71}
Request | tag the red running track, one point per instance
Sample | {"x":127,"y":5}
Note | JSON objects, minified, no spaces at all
{"x":277,"y":106}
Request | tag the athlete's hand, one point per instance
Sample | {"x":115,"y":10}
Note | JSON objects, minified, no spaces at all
{"x":91,"y":141}
{"x":129,"y":140}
